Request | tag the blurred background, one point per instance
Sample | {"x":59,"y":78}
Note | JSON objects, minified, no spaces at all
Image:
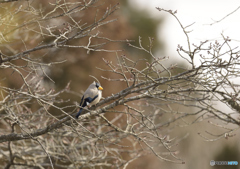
{"x":211,"y":20}
{"x":141,"y":18}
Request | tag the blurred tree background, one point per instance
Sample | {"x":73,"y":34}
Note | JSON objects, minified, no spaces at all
{"x":21,"y":31}
{"x":78,"y":63}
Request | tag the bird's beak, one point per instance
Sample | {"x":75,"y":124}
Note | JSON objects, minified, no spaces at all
{"x":100,"y":88}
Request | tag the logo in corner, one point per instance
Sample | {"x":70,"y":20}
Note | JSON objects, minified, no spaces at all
{"x":212,"y":163}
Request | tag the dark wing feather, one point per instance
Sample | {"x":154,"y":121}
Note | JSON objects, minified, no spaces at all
{"x":85,"y":103}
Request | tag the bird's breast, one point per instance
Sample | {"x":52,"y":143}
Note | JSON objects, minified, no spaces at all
{"x":97,"y":99}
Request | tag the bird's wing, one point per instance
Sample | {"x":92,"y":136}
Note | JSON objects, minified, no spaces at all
{"x":81,"y":101}
{"x":91,"y":92}
{"x":90,"y":100}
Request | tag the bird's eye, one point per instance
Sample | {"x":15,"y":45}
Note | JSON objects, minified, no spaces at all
{"x":97,"y":85}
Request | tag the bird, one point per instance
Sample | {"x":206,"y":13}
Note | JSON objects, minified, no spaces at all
{"x":91,"y":96}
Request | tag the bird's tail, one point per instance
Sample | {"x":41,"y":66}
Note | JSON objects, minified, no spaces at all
{"x":78,"y":114}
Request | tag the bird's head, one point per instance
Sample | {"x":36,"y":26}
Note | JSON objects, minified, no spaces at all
{"x":98,"y":86}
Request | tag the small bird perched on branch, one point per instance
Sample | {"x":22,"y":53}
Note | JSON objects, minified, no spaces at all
{"x":91,"y":96}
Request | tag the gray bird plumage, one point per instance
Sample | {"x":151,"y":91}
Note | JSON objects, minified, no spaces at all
{"x":91,"y":96}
